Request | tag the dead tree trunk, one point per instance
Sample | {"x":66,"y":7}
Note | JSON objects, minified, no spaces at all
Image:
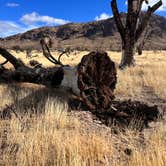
{"x":131,"y":32}
{"x":128,"y":51}
{"x":50,"y":77}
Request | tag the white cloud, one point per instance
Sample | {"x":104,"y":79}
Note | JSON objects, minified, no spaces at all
{"x":12,"y":4}
{"x":102,"y":16}
{"x":28,"y":21}
{"x":8,"y":28}
{"x":34,"y":18}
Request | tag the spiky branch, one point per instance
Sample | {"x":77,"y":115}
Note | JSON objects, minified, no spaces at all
{"x":47,"y":53}
{"x":45,"y":44}
{"x":146,"y":19}
{"x":117,"y":18}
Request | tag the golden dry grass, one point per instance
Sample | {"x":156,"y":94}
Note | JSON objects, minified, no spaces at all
{"x":154,"y":152}
{"x":149,"y":72}
{"x":53,"y":136}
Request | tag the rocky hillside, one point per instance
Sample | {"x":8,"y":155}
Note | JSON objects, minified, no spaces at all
{"x":93,"y":35}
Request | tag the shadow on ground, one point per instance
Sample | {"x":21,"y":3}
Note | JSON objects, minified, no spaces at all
{"x":122,"y":114}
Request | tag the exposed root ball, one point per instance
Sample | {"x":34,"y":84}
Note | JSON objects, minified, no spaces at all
{"x":129,"y":114}
{"x":97,"y":80}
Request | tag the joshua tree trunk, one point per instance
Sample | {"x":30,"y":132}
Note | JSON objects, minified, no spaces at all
{"x":128,"y":51}
{"x":132,"y":30}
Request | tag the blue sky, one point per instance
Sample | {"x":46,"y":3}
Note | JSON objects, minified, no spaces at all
{"x":21,"y":15}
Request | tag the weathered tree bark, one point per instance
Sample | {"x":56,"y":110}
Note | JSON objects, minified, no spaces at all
{"x":50,"y":77}
{"x":128,"y":51}
{"x":141,"y":42}
{"x":97,"y":80}
{"x":131,"y":32}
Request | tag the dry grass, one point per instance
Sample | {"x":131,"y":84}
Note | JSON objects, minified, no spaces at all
{"x":153,"y":153}
{"x":149,"y":72}
{"x":53,"y":136}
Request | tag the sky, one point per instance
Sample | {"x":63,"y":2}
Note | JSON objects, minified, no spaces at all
{"x":18,"y":16}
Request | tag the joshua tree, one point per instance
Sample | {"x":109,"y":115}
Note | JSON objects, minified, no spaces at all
{"x":46,"y":42}
{"x":132,"y":30}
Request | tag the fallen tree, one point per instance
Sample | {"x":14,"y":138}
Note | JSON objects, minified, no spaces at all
{"x":96,"y":81}
{"x":50,"y":77}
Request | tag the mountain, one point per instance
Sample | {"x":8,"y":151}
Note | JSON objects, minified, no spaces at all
{"x":88,"y":36}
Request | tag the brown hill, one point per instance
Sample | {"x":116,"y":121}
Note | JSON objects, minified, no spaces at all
{"x":93,"y":35}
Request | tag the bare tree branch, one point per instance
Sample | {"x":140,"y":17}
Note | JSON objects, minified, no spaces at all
{"x":47,"y":53}
{"x":14,"y":61}
{"x":6,"y":61}
{"x":117,"y":18}
{"x":65,"y":51}
{"x":146,"y":19}
{"x":141,"y":43}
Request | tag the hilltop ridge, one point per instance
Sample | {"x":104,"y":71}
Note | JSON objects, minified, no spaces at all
{"x":97,"y":34}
